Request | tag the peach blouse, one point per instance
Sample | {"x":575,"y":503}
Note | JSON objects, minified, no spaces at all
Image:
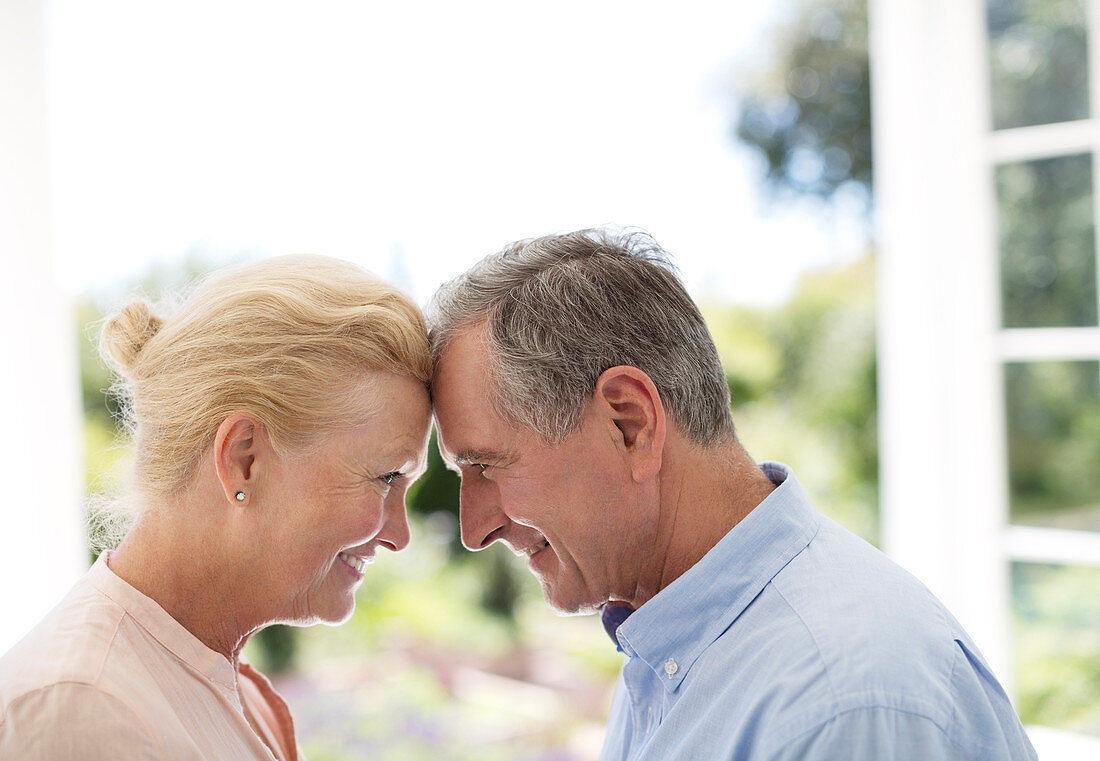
{"x":108,"y":674}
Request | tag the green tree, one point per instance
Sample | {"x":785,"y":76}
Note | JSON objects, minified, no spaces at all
{"x":802,"y":378}
{"x":808,"y":113}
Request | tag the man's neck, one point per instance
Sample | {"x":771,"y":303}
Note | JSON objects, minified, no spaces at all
{"x":703,"y":494}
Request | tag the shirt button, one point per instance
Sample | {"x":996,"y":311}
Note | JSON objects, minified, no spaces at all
{"x":671,"y":667}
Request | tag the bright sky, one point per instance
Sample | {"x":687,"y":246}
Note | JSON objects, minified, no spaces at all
{"x":411,"y":137}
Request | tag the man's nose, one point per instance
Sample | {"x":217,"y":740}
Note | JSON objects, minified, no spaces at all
{"x":479,"y":513}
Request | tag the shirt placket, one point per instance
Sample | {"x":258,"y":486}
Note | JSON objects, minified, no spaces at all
{"x":647,"y":703}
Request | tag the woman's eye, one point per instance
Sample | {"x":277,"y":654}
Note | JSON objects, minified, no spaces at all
{"x":389,"y":478}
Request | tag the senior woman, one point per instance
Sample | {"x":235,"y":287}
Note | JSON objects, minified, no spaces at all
{"x":278,"y":417}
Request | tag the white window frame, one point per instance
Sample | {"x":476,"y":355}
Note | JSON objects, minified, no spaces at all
{"x":942,"y":350}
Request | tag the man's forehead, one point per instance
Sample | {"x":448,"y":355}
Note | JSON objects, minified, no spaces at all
{"x":466,"y":350}
{"x":469,"y":435}
{"x":460,"y":371}
{"x":470,"y":430}
{"x":460,"y":386}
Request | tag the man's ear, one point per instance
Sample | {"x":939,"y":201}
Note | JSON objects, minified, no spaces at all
{"x":237,"y":445}
{"x":636,"y":409}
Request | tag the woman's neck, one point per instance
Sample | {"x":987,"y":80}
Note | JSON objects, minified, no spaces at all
{"x":189,"y":576}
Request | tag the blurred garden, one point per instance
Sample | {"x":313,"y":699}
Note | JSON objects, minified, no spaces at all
{"x":452,"y":655}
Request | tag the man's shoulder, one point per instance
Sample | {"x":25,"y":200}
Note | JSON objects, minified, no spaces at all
{"x":839,"y":620}
{"x":870,"y":621}
{"x":843,"y":632}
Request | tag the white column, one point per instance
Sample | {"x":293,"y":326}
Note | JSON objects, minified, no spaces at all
{"x":944,"y":501}
{"x":40,"y":518}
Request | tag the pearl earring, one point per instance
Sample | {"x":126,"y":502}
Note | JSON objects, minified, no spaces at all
{"x":240,"y":496}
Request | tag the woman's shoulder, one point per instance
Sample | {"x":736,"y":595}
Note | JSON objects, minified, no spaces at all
{"x":57,"y":696}
{"x":75,"y":720}
{"x":70,"y":645}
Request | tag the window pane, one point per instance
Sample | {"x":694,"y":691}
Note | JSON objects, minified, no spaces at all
{"x":1048,"y":263}
{"x":1057,"y":628}
{"x":1054,"y":443}
{"x":1038,"y":61}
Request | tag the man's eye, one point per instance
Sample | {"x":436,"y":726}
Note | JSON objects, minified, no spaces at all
{"x":389,"y":478}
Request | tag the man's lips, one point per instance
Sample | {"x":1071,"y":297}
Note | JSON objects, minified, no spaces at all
{"x":529,"y":552}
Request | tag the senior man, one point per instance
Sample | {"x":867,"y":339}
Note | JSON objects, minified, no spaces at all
{"x":580,"y":396}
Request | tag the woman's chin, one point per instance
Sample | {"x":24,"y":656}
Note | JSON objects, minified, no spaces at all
{"x":330,"y":612}
{"x":336,"y":612}
{"x":337,"y":620}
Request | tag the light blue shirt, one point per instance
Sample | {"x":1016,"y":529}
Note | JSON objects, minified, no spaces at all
{"x":795,"y":639}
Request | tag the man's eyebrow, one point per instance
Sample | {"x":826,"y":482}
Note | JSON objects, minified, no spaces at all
{"x":471,"y":456}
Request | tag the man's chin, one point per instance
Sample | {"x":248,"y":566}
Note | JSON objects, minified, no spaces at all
{"x":563,"y":606}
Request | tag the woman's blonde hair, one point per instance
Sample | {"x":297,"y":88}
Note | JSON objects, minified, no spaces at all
{"x":286,"y":339}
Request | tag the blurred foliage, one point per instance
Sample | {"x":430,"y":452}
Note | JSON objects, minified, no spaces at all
{"x":436,"y":493}
{"x":1057,"y":615}
{"x":1038,"y":61}
{"x":278,"y":648}
{"x":422,"y":671}
{"x":803,"y":381}
{"x":1054,"y":443}
{"x":95,"y":379}
{"x":808,"y":115}
{"x":1045,"y":220}
{"x":810,"y":362}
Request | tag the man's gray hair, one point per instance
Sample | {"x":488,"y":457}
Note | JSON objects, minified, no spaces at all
{"x":562,"y":309}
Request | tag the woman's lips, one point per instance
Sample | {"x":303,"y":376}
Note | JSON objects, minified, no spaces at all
{"x":353,"y":562}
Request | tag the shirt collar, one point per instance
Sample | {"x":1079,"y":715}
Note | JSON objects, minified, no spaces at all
{"x":166,"y":630}
{"x":672,"y":629}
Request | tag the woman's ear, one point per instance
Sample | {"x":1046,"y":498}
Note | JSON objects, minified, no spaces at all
{"x":634,"y":406}
{"x":237,"y":445}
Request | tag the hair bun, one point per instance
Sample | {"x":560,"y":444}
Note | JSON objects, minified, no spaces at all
{"x":125,"y":334}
